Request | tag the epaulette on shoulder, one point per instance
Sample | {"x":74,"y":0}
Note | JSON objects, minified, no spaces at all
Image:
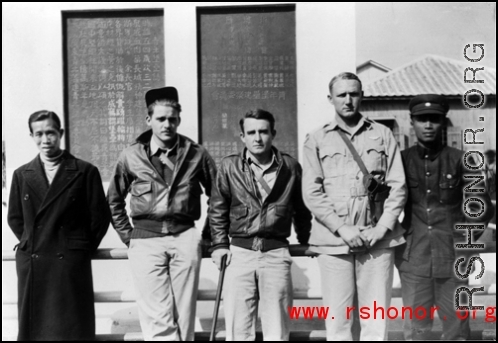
{"x":285,"y":154}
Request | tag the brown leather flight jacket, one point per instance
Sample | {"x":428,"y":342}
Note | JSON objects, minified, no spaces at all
{"x":155,"y":206}
{"x":235,"y":205}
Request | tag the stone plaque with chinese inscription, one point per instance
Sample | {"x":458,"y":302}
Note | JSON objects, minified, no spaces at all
{"x":111,"y":60}
{"x":247,"y":60}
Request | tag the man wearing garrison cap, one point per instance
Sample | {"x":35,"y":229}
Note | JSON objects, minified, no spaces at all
{"x":435,"y":178}
{"x":163,"y":171}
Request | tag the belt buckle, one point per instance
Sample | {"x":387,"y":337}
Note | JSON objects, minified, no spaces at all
{"x":358,"y":250}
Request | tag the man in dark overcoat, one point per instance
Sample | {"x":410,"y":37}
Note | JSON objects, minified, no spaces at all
{"x":59,"y":213}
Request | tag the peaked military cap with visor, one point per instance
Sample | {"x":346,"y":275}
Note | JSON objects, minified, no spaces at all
{"x":428,"y":104}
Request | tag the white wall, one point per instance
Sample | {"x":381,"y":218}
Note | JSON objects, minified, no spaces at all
{"x":32,"y":79}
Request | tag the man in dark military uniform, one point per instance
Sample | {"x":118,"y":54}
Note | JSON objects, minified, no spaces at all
{"x":435,"y":179}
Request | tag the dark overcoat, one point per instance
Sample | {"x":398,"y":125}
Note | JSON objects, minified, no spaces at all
{"x":58,"y":227}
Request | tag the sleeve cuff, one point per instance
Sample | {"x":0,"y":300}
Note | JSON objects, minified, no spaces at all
{"x":219,"y":246}
{"x":387,"y":220}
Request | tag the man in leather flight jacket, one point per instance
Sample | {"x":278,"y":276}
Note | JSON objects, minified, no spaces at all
{"x":164,"y":172}
{"x":256,"y":199}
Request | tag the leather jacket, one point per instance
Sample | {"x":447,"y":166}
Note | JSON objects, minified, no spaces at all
{"x":234,"y":205}
{"x":155,"y":206}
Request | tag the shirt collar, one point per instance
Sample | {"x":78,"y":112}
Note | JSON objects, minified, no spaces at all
{"x":251,"y":160}
{"x":154,"y":147}
{"x":335,"y":124}
{"x":431,"y":154}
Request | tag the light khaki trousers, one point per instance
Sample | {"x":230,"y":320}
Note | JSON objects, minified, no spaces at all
{"x":166,"y":277}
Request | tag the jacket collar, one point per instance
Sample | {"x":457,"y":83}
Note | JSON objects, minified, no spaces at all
{"x":244,"y":161}
{"x":335,"y":125}
{"x":182,"y":145}
{"x":431,"y":154}
{"x":35,"y":177}
{"x":145,"y":137}
{"x":154,"y":146}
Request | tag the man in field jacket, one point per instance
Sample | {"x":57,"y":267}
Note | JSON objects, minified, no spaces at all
{"x":355,"y":251}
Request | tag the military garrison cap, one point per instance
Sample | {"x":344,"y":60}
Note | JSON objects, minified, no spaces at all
{"x":165,"y":93}
{"x":428,"y":104}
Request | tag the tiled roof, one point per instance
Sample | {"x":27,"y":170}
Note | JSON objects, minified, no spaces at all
{"x":374,"y":64}
{"x":432,"y":74}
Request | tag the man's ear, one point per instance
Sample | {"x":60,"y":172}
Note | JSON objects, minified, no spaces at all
{"x":61,"y":131}
{"x":411,"y":120}
{"x":242,"y":137}
{"x":147,"y":120}
{"x":274,"y":133}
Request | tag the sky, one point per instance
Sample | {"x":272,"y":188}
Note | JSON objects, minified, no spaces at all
{"x":394,"y":34}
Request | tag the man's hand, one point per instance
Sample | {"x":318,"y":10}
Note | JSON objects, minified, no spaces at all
{"x":352,"y":236}
{"x":218,"y":254}
{"x":374,"y":234}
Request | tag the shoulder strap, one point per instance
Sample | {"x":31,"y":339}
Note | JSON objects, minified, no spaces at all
{"x":262,"y":182}
{"x":365,"y":172}
{"x":351,"y":148}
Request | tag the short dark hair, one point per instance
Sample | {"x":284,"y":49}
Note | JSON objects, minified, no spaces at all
{"x":344,"y":76}
{"x":42,"y":115}
{"x":164,"y":102}
{"x":258,"y":114}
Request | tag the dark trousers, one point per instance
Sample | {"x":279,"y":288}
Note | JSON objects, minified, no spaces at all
{"x":426,"y":292}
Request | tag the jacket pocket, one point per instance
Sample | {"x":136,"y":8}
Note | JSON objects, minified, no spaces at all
{"x":333,"y":160}
{"x":281,"y":210}
{"x":194,"y":200}
{"x":449,"y":188}
{"x":414,"y":192}
{"x":21,"y":245}
{"x":282,"y":220}
{"x":238,"y":212}
{"x":238,"y":219}
{"x":341,"y":209}
{"x":141,"y":200}
{"x":375,"y":159}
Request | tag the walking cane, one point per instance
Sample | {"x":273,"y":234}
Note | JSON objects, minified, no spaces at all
{"x":218,"y":297}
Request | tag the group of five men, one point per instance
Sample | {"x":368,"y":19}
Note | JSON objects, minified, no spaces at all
{"x":353,"y":183}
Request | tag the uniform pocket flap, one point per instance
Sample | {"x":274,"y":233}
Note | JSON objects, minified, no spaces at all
{"x":141,"y":188}
{"x":331,"y":151}
{"x":411,"y":182}
{"x":449,"y":180}
{"x":341,"y":209}
{"x":281,"y":210}
{"x":239,"y":212}
{"x":79,"y":244}
{"x":375,"y":145}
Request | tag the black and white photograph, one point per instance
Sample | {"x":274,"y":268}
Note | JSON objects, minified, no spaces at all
{"x":248,"y":171}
